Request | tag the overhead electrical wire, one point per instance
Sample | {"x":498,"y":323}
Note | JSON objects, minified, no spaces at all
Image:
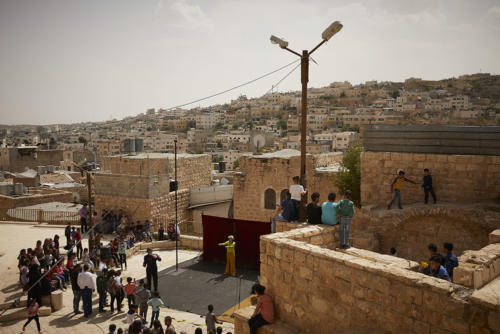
{"x":281,"y":80}
{"x":235,"y":87}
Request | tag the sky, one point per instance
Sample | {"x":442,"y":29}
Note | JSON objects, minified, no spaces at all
{"x":67,"y":61}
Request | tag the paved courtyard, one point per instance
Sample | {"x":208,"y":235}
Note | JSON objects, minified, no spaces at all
{"x":13,"y":237}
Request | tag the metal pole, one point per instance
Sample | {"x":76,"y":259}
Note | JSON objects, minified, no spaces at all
{"x":176,"y":186}
{"x":303,"y":133}
{"x":91,"y":220}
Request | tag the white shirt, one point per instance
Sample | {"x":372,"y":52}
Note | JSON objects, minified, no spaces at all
{"x":85,"y":279}
{"x":296,"y":191}
{"x":118,"y":281}
{"x":102,"y":266}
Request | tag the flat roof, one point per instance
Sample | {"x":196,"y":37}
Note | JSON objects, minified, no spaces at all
{"x":155,"y":155}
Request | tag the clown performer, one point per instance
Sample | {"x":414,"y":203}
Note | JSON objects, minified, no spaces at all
{"x":230,"y":255}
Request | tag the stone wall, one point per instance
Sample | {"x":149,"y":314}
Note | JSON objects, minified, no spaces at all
{"x":12,"y":160}
{"x":9,"y":202}
{"x":163,"y":208}
{"x":259,"y":173}
{"x":131,"y":185}
{"x":192,"y":170}
{"x":410,"y":230}
{"x":318,"y":290}
{"x":136,"y":208}
{"x":157,"y":210}
{"x":456,"y":178}
{"x":478,"y":268}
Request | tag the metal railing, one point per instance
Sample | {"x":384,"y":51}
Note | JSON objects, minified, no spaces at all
{"x":40,"y":216}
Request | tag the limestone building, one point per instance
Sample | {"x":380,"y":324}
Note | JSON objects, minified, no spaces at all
{"x":139,"y":184}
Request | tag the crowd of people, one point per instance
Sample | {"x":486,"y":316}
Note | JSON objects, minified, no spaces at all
{"x":44,"y":269}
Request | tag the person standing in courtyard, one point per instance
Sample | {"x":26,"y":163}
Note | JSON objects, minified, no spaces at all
{"x":329,"y":211}
{"x":84,"y":214}
{"x":33,"y":313}
{"x":87,"y":286}
{"x":396,"y":187}
{"x":264,"y":311}
{"x":150,"y":260}
{"x":122,"y":252}
{"x":211,"y":320}
{"x":73,"y":275}
{"x":67,"y":234}
{"x":102,"y":289}
{"x":143,"y":295}
{"x":428,"y":188}
{"x":230,"y":245}
{"x":345,"y":212}
{"x":156,"y":302}
{"x":78,"y":242}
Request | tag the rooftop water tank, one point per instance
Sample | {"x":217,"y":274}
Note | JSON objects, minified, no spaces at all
{"x":129,"y":145}
{"x":19,"y":189}
{"x":139,"y":144}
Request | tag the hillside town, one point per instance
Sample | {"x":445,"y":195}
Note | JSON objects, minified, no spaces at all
{"x":271,"y":122}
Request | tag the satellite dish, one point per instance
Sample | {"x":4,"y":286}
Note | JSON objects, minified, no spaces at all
{"x":258,"y":141}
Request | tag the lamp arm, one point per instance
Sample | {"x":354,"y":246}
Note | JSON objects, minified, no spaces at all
{"x":317,"y":46}
{"x":295,"y":53}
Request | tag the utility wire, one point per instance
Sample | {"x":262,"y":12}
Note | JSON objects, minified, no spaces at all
{"x":281,"y":80}
{"x":235,"y":87}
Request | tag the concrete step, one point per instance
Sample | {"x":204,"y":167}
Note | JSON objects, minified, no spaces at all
{"x":20,"y":314}
{"x":23,"y":302}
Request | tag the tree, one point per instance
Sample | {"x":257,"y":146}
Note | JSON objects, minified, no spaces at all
{"x":349,"y":176}
{"x":52,"y":142}
{"x":236,"y":164}
{"x":82,"y":140}
{"x":219,"y":126}
{"x":281,"y":124}
{"x":395,"y":94}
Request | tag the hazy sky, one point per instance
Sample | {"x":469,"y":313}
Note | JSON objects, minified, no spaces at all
{"x":65,"y":61}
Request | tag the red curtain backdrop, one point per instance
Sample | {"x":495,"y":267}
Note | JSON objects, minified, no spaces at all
{"x":246,"y":234}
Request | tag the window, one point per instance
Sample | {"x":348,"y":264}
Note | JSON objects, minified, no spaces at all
{"x":270,"y":199}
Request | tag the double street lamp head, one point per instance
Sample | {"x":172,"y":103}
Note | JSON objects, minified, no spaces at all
{"x":326,"y":35}
{"x":276,"y":40}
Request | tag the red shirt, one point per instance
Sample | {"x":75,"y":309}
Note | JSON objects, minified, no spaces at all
{"x":130,"y":289}
{"x":266,"y":308}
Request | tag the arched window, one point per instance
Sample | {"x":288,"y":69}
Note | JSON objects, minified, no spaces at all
{"x":282,"y":195}
{"x":270,"y":199}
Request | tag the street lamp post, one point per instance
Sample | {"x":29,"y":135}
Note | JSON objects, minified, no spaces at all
{"x":304,"y":69}
{"x":176,"y":217}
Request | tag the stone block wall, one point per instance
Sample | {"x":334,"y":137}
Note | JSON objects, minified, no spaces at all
{"x":192,"y":170}
{"x":163,"y":208}
{"x":9,"y":202}
{"x":136,"y":208}
{"x":456,"y":178}
{"x":131,"y":185}
{"x":157,"y":210}
{"x":478,"y":268}
{"x":318,"y":290}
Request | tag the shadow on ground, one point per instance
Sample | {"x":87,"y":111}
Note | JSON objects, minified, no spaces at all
{"x":198,"y":284}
